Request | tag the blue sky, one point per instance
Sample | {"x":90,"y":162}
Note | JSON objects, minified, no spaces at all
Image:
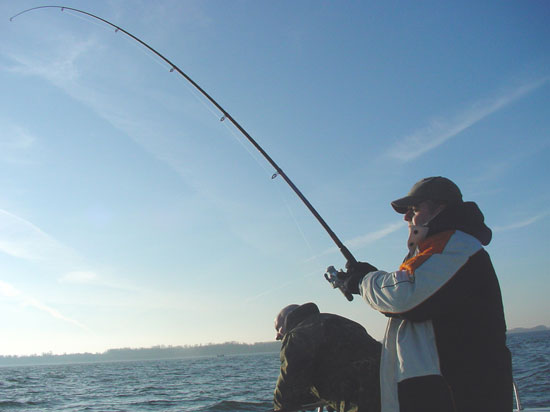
{"x":130,"y":216}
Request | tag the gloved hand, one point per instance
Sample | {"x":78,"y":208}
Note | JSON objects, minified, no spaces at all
{"x":355,"y":274}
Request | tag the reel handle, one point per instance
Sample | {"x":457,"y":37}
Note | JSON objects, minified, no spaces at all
{"x":336,"y":279}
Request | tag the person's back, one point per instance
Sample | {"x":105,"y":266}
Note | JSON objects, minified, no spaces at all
{"x":330,"y":357}
{"x":472,"y":340}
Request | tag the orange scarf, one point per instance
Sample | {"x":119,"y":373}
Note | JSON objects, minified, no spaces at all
{"x":428,"y":247}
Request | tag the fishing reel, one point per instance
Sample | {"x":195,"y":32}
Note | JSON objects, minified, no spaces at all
{"x":337,"y":280}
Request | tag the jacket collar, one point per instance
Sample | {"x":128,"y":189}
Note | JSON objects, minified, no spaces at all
{"x":299,"y":314}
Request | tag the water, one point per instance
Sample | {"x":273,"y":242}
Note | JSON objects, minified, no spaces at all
{"x":216,"y":384}
{"x":531,"y":363}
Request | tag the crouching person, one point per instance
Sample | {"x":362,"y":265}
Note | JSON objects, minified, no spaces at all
{"x":326,"y":357}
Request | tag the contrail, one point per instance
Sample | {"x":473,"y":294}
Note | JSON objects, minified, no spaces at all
{"x":10,"y":292}
{"x":439,"y":131}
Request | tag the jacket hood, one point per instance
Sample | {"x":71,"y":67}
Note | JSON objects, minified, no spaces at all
{"x":299,"y":314}
{"x":465,"y":216}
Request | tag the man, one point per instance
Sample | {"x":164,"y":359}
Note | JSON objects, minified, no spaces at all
{"x":326,"y":357}
{"x":445,"y":343}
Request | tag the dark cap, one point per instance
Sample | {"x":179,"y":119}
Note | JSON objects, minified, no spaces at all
{"x":430,"y":188}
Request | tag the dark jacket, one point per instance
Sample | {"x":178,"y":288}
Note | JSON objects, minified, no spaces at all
{"x":327,"y":357}
{"x":445,"y":345}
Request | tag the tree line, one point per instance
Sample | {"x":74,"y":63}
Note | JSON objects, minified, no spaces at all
{"x":159,"y":352}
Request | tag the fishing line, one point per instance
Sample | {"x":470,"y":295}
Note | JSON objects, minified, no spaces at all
{"x":238,"y":138}
{"x":168,"y":68}
{"x":254,"y":156}
{"x":80,"y":17}
{"x":280,"y":286}
{"x":231,"y":130}
{"x":268,"y":172}
{"x":127,"y":39}
{"x":224,"y":116}
{"x":287,"y":204}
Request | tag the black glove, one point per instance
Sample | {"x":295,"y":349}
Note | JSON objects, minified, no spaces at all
{"x":355,"y":273}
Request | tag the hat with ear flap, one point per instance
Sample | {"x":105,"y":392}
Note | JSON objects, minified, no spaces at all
{"x":435,"y":188}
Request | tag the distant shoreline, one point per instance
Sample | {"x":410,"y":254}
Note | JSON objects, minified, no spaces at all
{"x":539,"y":328}
{"x":144,"y":354}
{"x":169,"y":352}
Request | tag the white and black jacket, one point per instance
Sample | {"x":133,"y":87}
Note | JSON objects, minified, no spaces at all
{"x":445,"y":342}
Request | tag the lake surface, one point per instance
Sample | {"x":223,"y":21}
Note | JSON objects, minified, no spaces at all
{"x":214,"y":384}
{"x":531,"y":362}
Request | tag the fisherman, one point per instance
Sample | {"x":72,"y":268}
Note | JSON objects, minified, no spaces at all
{"x":445,"y":343}
{"x":326,"y":357}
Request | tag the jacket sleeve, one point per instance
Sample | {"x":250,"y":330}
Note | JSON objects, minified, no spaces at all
{"x":425,"y":291}
{"x":295,"y":378}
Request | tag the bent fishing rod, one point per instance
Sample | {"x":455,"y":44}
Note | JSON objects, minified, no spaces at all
{"x":225,"y":115}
